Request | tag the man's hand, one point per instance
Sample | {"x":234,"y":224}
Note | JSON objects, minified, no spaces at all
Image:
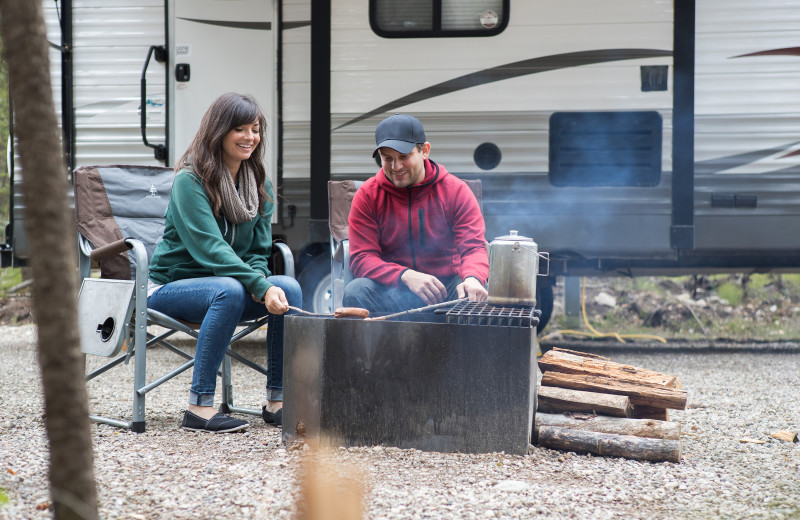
{"x":473,"y":290}
{"x":426,"y":286}
{"x":275,"y":300}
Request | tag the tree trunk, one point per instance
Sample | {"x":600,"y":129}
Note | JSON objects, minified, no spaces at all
{"x":52,"y":261}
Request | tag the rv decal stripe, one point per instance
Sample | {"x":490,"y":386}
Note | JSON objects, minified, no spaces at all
{"x":719,"y":164}
{"x":514,"y":70}
{"x":260,"y":26}
{"x":294,"y":25}
{"x":788,"y":51}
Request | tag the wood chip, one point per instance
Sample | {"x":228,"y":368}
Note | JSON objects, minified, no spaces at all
{"x":784,"y":435}
{"x":754,"y":441}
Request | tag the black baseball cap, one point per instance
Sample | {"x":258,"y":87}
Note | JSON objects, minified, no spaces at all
{"x":400,"y":132}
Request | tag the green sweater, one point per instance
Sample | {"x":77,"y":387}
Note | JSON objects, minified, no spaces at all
{"x":198,"y":244}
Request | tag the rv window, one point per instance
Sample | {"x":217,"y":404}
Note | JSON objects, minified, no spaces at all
{"x":605,"y":148}
{"x":431,"y":18}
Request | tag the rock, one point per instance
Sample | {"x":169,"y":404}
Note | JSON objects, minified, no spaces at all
{"x":603,"y":298}
{"x":512,"y":486}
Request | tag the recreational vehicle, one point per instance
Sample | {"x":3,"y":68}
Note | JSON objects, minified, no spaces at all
{"x":627,"y":137}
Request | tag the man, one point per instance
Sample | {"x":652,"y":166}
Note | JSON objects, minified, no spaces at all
{"x":416,"y":231}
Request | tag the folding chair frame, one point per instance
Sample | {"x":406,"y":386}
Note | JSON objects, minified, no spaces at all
{"x":106,"y":234}
{"x":142,"y":317}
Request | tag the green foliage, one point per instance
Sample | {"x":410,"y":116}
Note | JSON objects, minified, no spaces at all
{"x":733,"y":294}
{"x":9,"y":277}
{"x":3,"y":497}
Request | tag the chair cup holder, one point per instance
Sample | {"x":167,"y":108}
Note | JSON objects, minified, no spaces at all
{"x":104,"y":309}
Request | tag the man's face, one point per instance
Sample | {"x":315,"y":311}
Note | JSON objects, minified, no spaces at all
{"x":404,"y":169}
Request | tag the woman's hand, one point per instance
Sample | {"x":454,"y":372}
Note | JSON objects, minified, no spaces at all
{"x":275,"y":300}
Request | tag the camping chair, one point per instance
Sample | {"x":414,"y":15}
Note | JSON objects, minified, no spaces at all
{"x":340,"y":198}
{"x":120,"y":216}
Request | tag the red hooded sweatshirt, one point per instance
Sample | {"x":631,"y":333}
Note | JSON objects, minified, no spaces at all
{"x":434,"y":227}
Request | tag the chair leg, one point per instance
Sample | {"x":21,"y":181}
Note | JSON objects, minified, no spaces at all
{"x":227,"y":386}
{"x":139,"y":378}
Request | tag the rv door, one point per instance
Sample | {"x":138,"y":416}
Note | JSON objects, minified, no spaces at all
{"x":219,"y":47}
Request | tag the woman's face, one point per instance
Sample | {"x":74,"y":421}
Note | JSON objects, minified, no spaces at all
{"x":239,"y":144}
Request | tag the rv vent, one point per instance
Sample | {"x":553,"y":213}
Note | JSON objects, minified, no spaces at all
{"x":605,"y":148}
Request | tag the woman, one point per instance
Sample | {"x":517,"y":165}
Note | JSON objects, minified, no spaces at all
{"x":211,"y":266}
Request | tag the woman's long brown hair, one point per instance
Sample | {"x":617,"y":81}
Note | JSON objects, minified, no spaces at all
{"x":204,"y":155}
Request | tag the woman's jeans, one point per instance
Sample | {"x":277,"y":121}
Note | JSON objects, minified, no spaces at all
{"x":219,"y":304}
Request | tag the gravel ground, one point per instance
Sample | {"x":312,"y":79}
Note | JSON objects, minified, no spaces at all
{"x":170,"y":473}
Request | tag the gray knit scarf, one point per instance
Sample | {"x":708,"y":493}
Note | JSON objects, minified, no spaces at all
{"x":242,"y":206}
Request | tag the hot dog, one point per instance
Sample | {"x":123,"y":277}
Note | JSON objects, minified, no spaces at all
{"x":350,"y":312}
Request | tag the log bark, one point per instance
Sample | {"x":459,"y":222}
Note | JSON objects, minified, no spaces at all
{"x":571,"y":362}
{"x":617,"y":425}
{"x":608,"y":444}
{"x":554,"y":399}
{"x":639,"y":393}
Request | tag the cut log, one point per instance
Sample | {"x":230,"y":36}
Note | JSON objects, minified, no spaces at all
{"x":609,"y":444}
{"x":640,"y":394}
{"x":554,"y":399}
{"x":650,"y":412}
{"x":582,"y":354}
{"x":571,"y":362}
{"x":617,"y":425}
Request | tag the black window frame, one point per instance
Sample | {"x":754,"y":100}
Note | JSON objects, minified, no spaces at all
{"x":437,"y":31}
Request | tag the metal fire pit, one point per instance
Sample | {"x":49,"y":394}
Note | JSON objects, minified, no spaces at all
{"x":411,"y":384}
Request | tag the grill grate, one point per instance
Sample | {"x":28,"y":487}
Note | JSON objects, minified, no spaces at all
{"x":482,"y":313}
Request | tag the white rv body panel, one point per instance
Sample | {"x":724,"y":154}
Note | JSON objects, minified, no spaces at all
{"x":368,"y":72}
{"x":230,"y":47}
{"x":746,"y":126}
{"x":107,"y":66}
{"x":296,"y":98}
{"x":110,"y":41}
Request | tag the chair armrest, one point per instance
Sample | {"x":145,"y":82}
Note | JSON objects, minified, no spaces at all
{"x":346,"y":272}
{"x":288,"y":259}
{"x":109,"y":250}
{"x":84,"y":260}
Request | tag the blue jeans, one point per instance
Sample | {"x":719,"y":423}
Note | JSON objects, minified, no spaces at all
{"x":383,"y":299}
{"x":219,"y":304}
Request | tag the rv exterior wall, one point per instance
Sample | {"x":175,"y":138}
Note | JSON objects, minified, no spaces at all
{"x":566,"y":56}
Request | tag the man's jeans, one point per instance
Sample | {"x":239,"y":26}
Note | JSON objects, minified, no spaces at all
{"x":219,"y":304}
{"x":383,"y":299}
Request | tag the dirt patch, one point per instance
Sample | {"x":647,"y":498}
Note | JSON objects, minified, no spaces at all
{"x":16,"y":310}
{"x":724,"y":306}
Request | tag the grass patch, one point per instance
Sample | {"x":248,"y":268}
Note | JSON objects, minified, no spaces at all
{"x":733,"y":294}
{"x":9,"y":278}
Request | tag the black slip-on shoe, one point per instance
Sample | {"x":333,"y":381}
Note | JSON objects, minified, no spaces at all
{"x":275,"y":418}
{"x":220,"y":423}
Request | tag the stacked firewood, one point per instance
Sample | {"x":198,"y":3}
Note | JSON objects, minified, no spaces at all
{"x":590,"y":404}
